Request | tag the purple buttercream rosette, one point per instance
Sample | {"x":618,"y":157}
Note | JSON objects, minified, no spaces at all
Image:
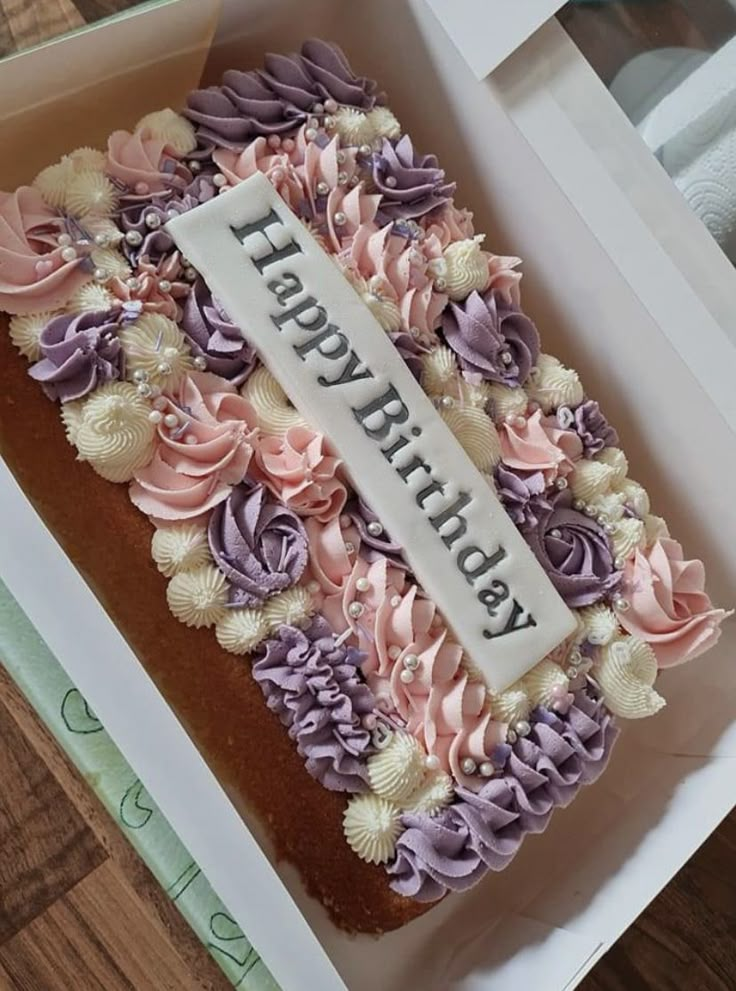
{"x":279,"y":98}
{"x":492,"y":338}
{"x":79,"y":351}
{"x":314,"y":688}
{"x":258,"y":544}
{"x":483,"y":830}
{"x":213,"y":336}
{"x":591,"y":426}
{"x":575,"y":553}
{"x":411,"y":185}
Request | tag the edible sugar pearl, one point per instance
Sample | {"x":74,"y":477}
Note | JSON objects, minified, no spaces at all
{"x":200,"y":363}
{"x":274,"y":141}
{"x":362,"y":584}
{"x":411,"y":661}
{"x":407,"y":676}
{"x":391,"y":181}
{"x":219,"y":180}
{"x":68,"y":254}
{"x":64,"y":239}
{"x":468,"y":765}
{"x":356,"y":609}
{"x":152,"y":221}
{"x":620,"y":604}
{"x":432,"y":762}
{"x":365,"y":150}
{"x":134,"y":238}
{"x":330,"y":105}
{"x":171,"y":420}
{"x":190,"y":439}
{"x":394,"y":652}
{"x":340,"y":219}
{"x":520,"y":422}
{"x":155,"y":416}
{"x":375,"y":529}
{"x":322,"y":189}
{"x":487,"y":769}
{"x":100,"y":275}
{"x":164,"y":285}
{"x":311,"y":133}
{"x":163,"y":368}
{"x":522,"y":728}
{"x":288,"y":144}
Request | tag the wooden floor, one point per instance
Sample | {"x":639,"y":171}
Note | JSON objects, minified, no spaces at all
{"x":78,"y":909}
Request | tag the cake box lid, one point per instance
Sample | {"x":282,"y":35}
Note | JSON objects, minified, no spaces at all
{"x":487,"y":33}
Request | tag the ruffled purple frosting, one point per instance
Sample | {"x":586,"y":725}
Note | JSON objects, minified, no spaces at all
{"x":575,"y":552}
{"x":79,"y":352}
{"x":522,"y":495}
{"x":492,"y":338}
{"x":280,"y":97}
{"x":411,"y":185}
{"x":213,"y":336}
{"x":590,"y":425}
{"x":374,"y":545}
{"x":314,"y":688}
{"x":154,"y":242}
{"x":258,"y":544}
{"x":483,"y":831}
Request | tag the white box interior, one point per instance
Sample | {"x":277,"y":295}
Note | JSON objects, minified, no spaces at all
{"x":572,"y":891}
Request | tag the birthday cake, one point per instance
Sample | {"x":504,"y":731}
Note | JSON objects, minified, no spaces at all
{"x":380,"y":551}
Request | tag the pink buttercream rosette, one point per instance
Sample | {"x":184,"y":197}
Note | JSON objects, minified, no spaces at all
{"x":147,"y":165}
{"x":196,"y":463}
{"x":536,"y":443}
{"x":668,"y":605}
{"x":33,"y":274}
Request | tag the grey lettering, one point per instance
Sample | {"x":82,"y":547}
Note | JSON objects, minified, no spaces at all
{"x":387,"y":410}
{"x":305,"y":307}
{"x":483,"y":562}
{"x":286,"y":287}
{"x":260,"y":227}
{"x":351,"y":372}
{"x":511,"y":623}
{"x":454,"y":512}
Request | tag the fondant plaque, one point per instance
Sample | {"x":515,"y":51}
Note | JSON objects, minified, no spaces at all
{"x":340,"y":369}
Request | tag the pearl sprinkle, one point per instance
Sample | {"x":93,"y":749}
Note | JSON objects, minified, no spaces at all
{"x":468,"y":765}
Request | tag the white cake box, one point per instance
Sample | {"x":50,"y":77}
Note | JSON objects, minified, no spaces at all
{"x":619,"y":311}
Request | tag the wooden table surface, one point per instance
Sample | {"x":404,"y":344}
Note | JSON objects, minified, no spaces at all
{"x":79,"y":911}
